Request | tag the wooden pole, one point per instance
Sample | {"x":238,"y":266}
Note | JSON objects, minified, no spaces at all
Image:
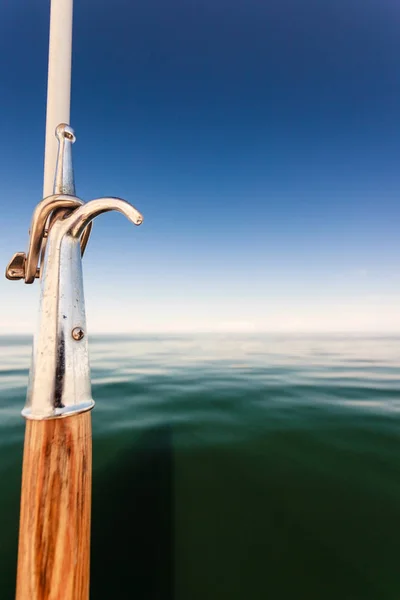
{"x":54,"y":538}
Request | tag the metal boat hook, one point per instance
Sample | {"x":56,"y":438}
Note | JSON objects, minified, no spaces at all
{"x":60,"y":376}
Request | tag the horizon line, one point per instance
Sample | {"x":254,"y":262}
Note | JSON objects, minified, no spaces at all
{"x":222,"y":332}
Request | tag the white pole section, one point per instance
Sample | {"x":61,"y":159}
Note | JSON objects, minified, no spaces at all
{"x":58,"y":84}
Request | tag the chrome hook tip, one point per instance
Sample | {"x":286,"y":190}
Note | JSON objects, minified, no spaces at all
{"x":64,"y":131}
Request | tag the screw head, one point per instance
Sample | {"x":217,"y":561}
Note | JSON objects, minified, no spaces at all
{"x":78,"y":333}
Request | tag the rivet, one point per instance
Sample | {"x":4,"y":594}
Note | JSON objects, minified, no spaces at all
{"x":78,"y":333}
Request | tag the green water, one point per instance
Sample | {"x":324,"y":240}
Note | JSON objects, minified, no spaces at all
{"x":231,"y":468}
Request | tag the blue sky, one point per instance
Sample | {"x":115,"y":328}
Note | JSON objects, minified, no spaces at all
{"x":261,"y":141}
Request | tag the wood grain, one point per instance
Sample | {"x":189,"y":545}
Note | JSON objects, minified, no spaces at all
{"x":54,"y":537}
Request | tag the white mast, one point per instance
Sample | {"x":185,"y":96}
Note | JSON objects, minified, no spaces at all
{"x":58,"y":84}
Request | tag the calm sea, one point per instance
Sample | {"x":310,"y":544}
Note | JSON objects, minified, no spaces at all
{"x":231,"y":467}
